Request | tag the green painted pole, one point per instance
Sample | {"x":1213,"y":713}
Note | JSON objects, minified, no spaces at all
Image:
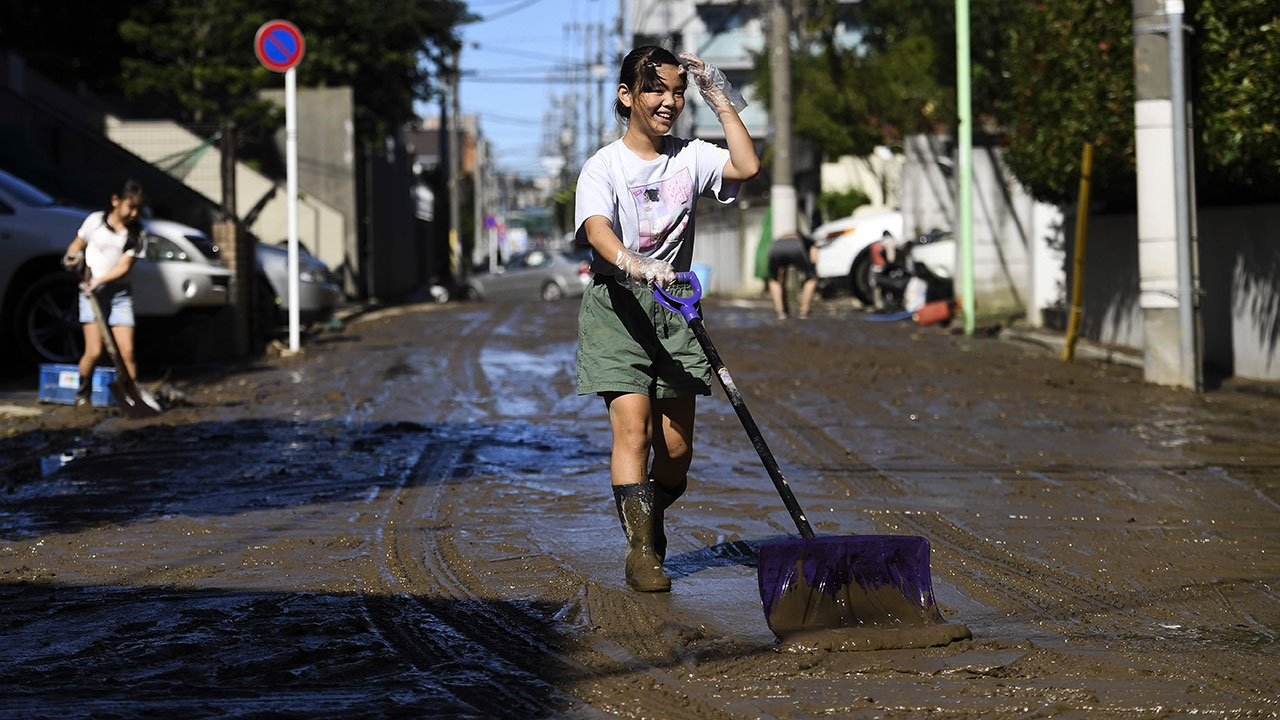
{"x":964,"y":128}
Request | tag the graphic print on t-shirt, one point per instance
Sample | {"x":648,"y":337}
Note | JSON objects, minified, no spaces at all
{"x":660,"y":206}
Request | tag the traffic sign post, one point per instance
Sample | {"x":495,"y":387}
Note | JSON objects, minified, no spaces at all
{"x":279,"y":47}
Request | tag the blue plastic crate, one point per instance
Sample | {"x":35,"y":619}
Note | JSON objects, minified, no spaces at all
{"x":58,"y":384}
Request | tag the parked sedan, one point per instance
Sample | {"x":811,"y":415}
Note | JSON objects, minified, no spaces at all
{"x":319,"y":291}
{"x":38,"y":306}
{"x":537,"y":274}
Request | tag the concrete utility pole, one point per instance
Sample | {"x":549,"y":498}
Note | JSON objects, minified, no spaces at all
{"x":455,"y":154}
{"x":236,"y":245}
{"x":782,"y":195}
{"x":964,"y":168}
{"x":1167,"y":254}
{"x":478,"y":187}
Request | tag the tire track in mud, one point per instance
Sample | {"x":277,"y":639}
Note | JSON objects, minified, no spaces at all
{"x":453,"y":637}
{"x":994,"y":576}
{"x":450,"y":612}
{"x":1012,"y":584}
{"x":541,"y":657}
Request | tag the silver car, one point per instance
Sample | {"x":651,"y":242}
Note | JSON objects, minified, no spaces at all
{"x":38,"y":306}
{"x":536,"y":274}
{"x":319,"y":291}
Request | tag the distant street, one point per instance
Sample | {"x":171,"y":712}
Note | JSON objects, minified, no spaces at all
{"x":412,"y":519}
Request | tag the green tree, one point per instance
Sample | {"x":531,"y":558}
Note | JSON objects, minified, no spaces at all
{"x":897,"y":79}
{"x":195,"y":61}
{"x":392,"y":52}
{"x":1069,"y":69}
{"x":1237,"y":100}
{"x":848,"y":99}
{"x":1071,"y":74}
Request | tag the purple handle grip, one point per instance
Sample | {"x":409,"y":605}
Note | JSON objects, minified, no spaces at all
{"x":685,"y":306}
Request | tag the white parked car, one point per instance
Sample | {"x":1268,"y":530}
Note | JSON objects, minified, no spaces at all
{"x":38,"y":306}
{"x":844,"y":256}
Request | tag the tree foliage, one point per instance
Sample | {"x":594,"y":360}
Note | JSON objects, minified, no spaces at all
{"x":1071,"y":71}
{"x":194,"y":60}
{"x":1069,"y":68}
{"x":847,"y":100}
{"x":1047,"y":77}
{"x":1237,"y":100}
{"x":897,"y":80}
{"x":392,"y":52}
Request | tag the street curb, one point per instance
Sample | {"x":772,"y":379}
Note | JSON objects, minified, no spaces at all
{"x":1084,"y":349}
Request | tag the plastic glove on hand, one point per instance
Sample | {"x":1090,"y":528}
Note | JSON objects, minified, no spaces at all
{"x":645,"y":270}
{"x":716,"y":89}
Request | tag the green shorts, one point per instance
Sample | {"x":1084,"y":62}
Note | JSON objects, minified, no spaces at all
{"x":629,"y":343}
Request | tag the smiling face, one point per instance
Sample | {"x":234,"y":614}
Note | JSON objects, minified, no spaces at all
{"x":655,"y":101}
{"x":126,"y":209}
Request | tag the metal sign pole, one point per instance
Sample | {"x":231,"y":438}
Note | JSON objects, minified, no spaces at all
{"x":279,"y":47}
{"x":291,"y":181}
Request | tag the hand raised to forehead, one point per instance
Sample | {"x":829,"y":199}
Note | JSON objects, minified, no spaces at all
{"x":716,"y":90}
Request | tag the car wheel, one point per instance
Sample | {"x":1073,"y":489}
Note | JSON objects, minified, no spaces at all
{"x":552,"y":292}
{"x":47,"y":321}
{"x":860,"y":279}
{"x":471,"y":293}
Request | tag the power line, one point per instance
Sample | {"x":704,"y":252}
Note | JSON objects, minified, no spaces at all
{"x":507,"y":11}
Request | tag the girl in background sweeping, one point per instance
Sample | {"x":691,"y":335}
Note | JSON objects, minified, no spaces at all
{"x":107,"y":245}
{"x":636,"y":203}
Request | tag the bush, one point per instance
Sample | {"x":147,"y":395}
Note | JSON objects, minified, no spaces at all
{"x":835,"y":205}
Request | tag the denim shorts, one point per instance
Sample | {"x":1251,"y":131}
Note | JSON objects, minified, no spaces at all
{"x":115,"y":300}
{"x":628,"y":342}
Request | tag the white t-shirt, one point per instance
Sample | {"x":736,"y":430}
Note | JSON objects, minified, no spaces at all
{"x":645,"y":199}
{"x":106,"y":245}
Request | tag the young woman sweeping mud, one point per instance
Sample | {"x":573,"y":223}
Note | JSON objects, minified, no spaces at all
{"x":636,"y":205}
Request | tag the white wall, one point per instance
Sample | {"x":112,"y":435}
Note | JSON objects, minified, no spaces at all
{"x":1016,"y":240}
{"x":321,"y":228}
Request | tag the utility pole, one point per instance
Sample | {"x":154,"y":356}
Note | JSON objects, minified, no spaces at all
{"x":455,"y":152}
{"x":964,"y":168}
{"x":1167,"y":255}
{"x":782,"y":195}
{"x":236,"y":245}
{"x":478,"y":187}
{"x":600,"y":72}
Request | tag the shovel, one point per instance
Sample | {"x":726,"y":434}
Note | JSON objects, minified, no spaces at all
{"x":828,"y":583}
{"x":134,"y":402}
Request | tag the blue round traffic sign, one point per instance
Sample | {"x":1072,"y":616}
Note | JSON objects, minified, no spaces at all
{"x":279,"y":45}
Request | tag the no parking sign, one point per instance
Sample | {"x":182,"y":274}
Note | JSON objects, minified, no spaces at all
{"x":279,"y":45}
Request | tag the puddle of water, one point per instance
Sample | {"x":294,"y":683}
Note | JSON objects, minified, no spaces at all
{"x":50,"y":464}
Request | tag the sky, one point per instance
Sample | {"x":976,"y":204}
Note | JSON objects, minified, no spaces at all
{"x":519,"y":59}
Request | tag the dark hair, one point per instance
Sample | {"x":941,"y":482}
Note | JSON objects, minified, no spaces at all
{"x":640,"y":72}
{"x":128,"y":189}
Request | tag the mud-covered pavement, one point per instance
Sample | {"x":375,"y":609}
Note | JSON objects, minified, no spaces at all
{"x":412,"y":519}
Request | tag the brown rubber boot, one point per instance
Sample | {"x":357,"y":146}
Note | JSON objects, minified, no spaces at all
{"x":636,"y":510}
{"x":663,"y":499}
{"x":84,"y":393}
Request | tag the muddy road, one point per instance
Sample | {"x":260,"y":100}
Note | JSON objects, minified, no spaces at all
{"x":412,"y":519}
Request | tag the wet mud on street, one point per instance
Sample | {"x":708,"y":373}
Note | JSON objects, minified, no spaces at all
{"x":412,"y":518}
